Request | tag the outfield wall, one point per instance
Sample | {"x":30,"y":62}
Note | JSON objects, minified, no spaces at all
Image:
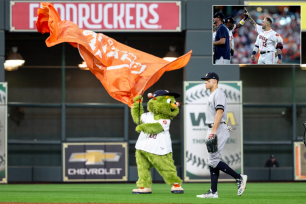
{"x":272,"y":98}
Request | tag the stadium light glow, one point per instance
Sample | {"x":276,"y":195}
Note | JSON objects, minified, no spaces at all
{"x":83,"y":66}
{"x":303,"y":66}
{"x":14,"y":60}
{"x":171,"y":55}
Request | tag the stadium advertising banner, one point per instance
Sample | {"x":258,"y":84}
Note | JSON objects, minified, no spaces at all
{"x":299,"y":161}
{"x":196,"y":96}
{"x":95,"y":162}
{"x":283,"y":3}
{"x":3,"y":133}
{"x":103,"y":15}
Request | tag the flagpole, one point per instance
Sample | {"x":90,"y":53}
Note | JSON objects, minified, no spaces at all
{"x":139,"y":106}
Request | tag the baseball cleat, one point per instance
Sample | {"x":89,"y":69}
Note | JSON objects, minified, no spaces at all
{"x":176,"y":188}
{"x":142,"y":190}
{"x":209,"y":194}
{"x":241,"y":183}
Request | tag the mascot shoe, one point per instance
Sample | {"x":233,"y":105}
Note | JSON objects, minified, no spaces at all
{"x":142,"y":190}
{"x":176,"y":188}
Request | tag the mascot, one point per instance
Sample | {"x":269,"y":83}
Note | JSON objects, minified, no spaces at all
{"x":153,"y":147}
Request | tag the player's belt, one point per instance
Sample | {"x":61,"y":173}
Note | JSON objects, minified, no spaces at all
{"x":211,"y":125}
{"x":264,"y":52}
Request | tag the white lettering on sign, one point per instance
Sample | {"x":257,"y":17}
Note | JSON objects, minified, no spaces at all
{"x":118,"y":17}
{"x":128,"y":18}
{"x":93,"y":16}
{"x":95,"y":171}
{"x":83,"y":17}
{"x":106,"y":24}
{"x":74,"y":13}
{"x":153,"y":13}
{"x":141,"y":19}
{"x":32,"y":17}
{"x":98,"y":16}
{"x":60,"y":10}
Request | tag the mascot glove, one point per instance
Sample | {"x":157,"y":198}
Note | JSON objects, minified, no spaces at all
{"x":139,"y":128}
{"x":136,"y":98}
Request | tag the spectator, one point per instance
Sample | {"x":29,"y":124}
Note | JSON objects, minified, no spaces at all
{"x":272,"y":162}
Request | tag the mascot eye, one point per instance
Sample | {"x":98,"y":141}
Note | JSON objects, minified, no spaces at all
{"x":168,"y":100}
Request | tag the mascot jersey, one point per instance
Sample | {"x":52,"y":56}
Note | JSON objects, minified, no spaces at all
{"x":160,"y":143}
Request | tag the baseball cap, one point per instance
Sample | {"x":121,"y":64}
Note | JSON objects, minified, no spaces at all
{"x":165,"y":93}
{"x":219,"y":15}
{"x":211,"y":75}
{"x":272,"y":156}
{"x":229,"y":20}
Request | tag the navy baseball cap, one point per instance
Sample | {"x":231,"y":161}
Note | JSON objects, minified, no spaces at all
{"x":272,"y":156}
{"x":165,"y":93}
{"x":229,"y":20}
{"x":219,"y":15}
{"x":211,"y":75}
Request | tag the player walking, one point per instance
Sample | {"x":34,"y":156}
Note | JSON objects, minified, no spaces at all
{"x":267,"y":43}
{"x":216,"y":137}
{"x":221,"y":43}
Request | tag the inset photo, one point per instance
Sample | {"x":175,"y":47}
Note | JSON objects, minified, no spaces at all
{"x":258,"y":35}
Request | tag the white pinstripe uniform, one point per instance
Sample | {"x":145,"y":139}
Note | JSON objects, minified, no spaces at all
{"x":217,"y":100}
{"x":266,"y":41}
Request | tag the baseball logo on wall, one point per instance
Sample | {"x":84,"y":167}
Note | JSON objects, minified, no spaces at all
{"x":196,"y":99}
{"x":3,"y":132}
{"x":95,"y":162}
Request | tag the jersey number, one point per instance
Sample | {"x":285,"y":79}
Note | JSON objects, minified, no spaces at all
{"x":264,"y":42}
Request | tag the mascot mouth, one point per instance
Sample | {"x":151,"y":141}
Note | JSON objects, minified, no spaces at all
{"x":172,"y":110}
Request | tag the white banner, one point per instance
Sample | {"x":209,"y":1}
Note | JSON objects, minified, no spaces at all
{"x":196,"y":97}
{"x":3,"y":132}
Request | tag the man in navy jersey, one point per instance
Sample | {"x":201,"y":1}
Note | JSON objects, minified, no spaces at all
{"x":221,"y":43}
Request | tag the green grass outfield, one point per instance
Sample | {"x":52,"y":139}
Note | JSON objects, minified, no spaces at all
{"x":122,"y":193}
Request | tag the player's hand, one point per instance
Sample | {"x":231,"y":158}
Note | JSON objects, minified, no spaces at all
{"x":252,"y":57}
{"x":211,"y":136}
{"x":279,"y":61}
{"x":246,"y":13}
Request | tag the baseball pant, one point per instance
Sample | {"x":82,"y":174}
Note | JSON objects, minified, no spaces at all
{"x":267,"y":58}
{"x":222,"y":61}
{"x":222,"y":134}
{"x":164,"y":164}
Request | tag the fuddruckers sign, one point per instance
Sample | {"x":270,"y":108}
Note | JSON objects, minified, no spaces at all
{"x":103,"y":15}
{"x":95,"y":162}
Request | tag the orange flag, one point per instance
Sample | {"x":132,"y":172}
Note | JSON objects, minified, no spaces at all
{"x":123,"y":71}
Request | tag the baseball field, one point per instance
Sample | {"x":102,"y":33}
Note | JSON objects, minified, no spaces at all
{"x":122,"y":193}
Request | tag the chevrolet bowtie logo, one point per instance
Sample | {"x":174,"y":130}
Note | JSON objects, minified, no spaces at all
{"x":95,"y":157}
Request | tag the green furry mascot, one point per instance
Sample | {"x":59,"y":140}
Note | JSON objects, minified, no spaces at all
{"x":153,"y":147}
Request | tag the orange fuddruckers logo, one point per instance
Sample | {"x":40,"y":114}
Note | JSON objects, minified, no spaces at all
{"x":95,"y":161}
{"x":124,"y":71}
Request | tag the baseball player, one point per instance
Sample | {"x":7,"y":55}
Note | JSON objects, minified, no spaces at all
{"x":221,"y":43}
{"x":217,"y":135}
{"x":231,"y":26}
{"x":267,"y":43}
